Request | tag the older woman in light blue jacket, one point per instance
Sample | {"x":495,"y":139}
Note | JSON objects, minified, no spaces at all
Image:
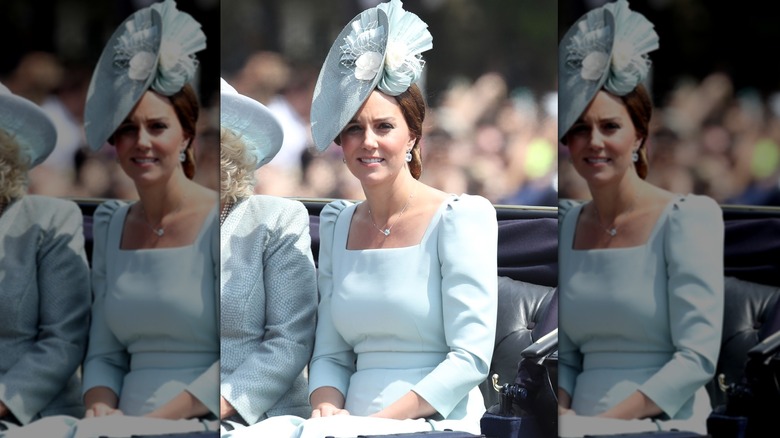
{"x":268,"y":281}
{"x":44,"y":278}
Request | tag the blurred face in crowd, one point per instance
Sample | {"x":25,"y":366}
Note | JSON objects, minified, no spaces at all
{"x":150,"y":140}
{"x":602,"y":141}
{"x":376,"y":140}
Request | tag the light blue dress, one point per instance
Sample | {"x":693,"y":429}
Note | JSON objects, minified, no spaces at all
{"x":420,"y":318}
{"x":155,"y":317}
{"x":645,"y":318}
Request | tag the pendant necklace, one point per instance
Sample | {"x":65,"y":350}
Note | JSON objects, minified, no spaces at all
{"x":386,"y":230}
{"x":158,"y":231}
{"x":612,"y":231}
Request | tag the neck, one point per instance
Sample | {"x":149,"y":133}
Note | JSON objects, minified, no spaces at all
{"x":610,"y":201}
{"x":387,"y":201}
{"x":157,"y":202}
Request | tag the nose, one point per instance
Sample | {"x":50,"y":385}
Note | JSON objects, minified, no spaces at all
{"x":596,"y":139}
{"x":144,"y":139}
{"x":370,"y":140}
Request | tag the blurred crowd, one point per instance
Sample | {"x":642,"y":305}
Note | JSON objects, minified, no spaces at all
{"x":481,"y":137}
{"x":707,"y":137}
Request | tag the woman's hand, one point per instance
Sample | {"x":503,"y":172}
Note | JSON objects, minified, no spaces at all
{"x":636,"y":405}
{"x":327,"y":401}
{"x":565,"y":411}
{"x":327,"y":410}
{"x":225,"y":408}
{"x":185,"y":405}
{"x":101,"y":410}
{"x":101,"y":401}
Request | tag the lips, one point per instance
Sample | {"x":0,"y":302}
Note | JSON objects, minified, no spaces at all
{"x":597,"y":160}
{"x":145,"y":160}
{"x":371,"y":160}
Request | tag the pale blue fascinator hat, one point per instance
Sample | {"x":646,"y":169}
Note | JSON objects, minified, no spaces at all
{"x":252,"y":121}
{"x":606,"y":48}
{"x":379,"y":49}
{"x":153,"y":48}
{"x":28,"y":125}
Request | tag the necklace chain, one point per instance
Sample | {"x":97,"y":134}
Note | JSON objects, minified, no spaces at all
{"x":612,"y":231}
{"x":386,"y":231}
{"x":158,"y":231}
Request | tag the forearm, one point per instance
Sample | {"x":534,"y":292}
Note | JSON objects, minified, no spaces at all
{"x":327,"y":395}
{"x":564,"y":399}
{"x":185,"y":405}
{"x":411,"y":405}
{"x":225,"y":408}
{"x":637,"y":405}
{"x":100,"y":394}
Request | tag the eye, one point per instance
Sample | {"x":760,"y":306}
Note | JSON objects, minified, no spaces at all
{"x":351,"y":129}
{"x":611,"y":126}
{"x":126,"y":129}
{"x":159,"y":126}
{"x":579,"y":128}
{"x":386,"y":126}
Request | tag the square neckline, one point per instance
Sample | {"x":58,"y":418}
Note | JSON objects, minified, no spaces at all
{"x":656,"y":227}
{"x":125,"y":209}
{"x":428,"y":229}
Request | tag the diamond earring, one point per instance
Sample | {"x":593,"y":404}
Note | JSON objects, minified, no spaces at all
{"x":182,"y":156}
{"x":408,"y":156}
{"x":635,"y":156}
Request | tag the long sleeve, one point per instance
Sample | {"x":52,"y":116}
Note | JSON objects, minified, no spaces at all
{"x":694,"y":255}
{"x":333,"y":360}
{"x":468,"y":242}
{"x":107,"y":360}
{"x":61,"y":289}
{"x":569,"y":355}
{"x":206,"y":387}
{"x":288,"y":280}
{"x":569,"y":362}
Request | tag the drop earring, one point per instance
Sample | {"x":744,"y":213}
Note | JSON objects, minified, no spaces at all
{"x":408,"y":156}
{"x":635,"y":156}
{"x":182,"y":156}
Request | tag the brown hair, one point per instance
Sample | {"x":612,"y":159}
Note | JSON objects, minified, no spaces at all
{"x":185,"y":103}
{"x":413,"y":108}
{"x":640,"y":108}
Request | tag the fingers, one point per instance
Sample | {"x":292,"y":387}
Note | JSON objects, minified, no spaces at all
{"x":101,"y":410}
{"x":327,"y":410}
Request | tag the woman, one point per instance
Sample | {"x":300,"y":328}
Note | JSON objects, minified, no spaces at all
{"x":406,"y":324}
{"x":641,"y":268}
{"x":44,"y":277}
{"x":153,"y":343}
{"x":268,"y":280}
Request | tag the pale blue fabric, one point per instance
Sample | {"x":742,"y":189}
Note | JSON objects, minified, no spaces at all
{"x":645,"y":318}
{"x":154,"y":326}
{"x":44,"y":279}
{"x":420,"y":318}
{"x":268,"y":307}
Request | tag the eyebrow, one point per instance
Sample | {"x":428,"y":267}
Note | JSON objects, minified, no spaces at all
{"x":151,"y":119}
{"x":379,"y":120}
